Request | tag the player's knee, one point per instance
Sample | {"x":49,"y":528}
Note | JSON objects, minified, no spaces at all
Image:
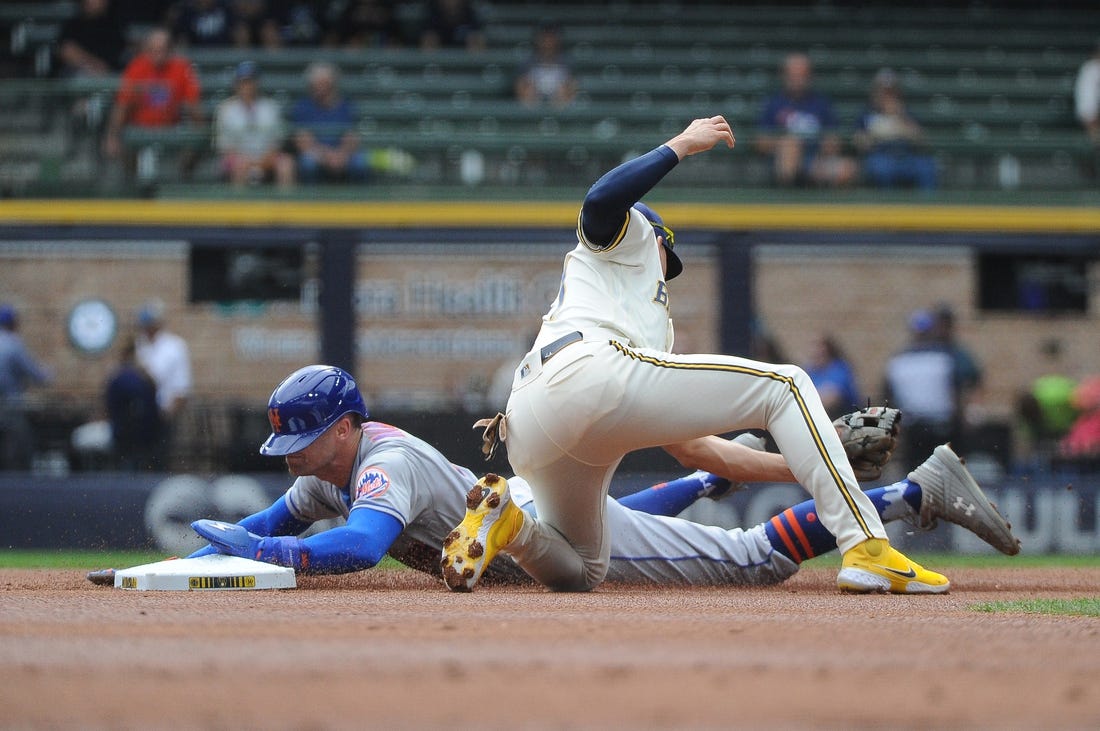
{"x":591,"y":576}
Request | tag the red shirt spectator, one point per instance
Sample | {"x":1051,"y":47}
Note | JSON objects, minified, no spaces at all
{"x":155,"y":90}
{"x":158,"y":89}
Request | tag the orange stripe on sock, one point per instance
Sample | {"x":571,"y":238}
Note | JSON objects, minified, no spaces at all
{"x":778,"y":525}
{"x":798,"y":532}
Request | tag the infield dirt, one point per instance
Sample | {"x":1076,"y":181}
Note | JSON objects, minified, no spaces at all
{"x":394,"y":650}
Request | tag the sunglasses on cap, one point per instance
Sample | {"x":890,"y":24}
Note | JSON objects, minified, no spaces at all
{"x":670,"y":237}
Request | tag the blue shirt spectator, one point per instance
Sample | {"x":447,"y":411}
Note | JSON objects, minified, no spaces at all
{"x":202,"y":23}
{"x":891,"y":139}
{"x":833,"y":376}
{"x":798,"y":131}
{"x":325,"y":138}
{"x":132,"y":410}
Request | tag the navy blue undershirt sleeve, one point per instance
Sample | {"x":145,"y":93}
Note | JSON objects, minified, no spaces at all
{"x":608,"y":200}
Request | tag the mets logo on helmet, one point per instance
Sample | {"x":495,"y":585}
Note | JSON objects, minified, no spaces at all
{"x":372,"y":483}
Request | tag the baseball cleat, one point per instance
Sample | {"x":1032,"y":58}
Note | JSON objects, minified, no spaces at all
{"x":874,"y":566}
{"x":492,"y":521}
{"x":948,"y":491}
{"x":102,"y":577}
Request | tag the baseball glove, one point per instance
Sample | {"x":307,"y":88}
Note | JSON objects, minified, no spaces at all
{"x":870,"y":436}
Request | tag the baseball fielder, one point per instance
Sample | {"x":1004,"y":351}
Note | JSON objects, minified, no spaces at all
{"x":601,"y":381}
{"x":400,"y":496}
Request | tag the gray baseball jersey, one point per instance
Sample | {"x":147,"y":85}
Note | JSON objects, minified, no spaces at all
{"x":404,"y":477}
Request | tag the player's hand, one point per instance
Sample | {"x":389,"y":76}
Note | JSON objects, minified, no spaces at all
{"x":236,"y":540}
{"x":701,"y":135}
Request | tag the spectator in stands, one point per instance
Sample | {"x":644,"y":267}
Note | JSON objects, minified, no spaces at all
{"x":167,"y":358}
{"x":1086,"y":93}
{"x":18,"y":370}
{"x":798,"y":132}
{"x":547,"y":77}
{"x":202,"y":23}
{"x":968,"y":372}
{"x":365,"y":24}
{"x":92,"y":43}
{"x":833,"y":376}
{"x":323,"y":122}
{"x":158,"y":89}
{"x":1045,"y":409}
{"x":301,"y":22}
{"x":133,"y":413}
{"x":452,"y":24}
{"x":890,"y":139}
{"x":256,"y":25}
{"x":249,"y":133}
{"x":921,"y":381}
{"x":1081,"y":445}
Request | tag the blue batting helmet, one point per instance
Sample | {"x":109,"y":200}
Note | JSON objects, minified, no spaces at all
{"x":675,"y":266}
{"x":305,"y":404}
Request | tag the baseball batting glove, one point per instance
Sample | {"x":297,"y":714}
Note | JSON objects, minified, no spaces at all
{"x":236,"y":540}
{"x":870,"y":436}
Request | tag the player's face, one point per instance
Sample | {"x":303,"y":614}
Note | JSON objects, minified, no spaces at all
{"x":314,"y":458}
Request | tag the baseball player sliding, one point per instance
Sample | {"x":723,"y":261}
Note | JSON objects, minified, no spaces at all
{"x":601,"y":381}
{"x":401,"y":496}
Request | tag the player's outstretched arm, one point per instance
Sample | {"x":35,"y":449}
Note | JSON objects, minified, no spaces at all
{"x":701,"y":135}
{"x":359,"y":544}
{"x":731,"y":460}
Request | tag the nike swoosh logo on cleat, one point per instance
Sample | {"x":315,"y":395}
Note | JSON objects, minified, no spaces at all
{"x":910,"y":574}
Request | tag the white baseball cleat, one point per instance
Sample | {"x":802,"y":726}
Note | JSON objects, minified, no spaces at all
{"x":948,"y":491}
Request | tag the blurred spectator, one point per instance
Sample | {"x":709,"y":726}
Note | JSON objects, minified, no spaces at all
{"x":300,"y":22}
{"x":255,"y":25}
{"x":1081,"y":445}
{"x":202,"y":22}
{"x":92,"y":43}
{"x":166,"y":357}
{"x":365,"y":24}
{"x":158,"y":89}
{"x":18,"y":370}
{"x":921,"y":381}
{"x":832,"y":375}
{"x":452,"y":24}
{"x":890,"y":139}
{"x":323,"y":124}
{"x":1086,"y":95}
{"x":249,"y":133}
{"x":968,"y":372}
{"x":798,"y":131}
{"x":547,"y":77}
{"x":763,"y":345}
{"x":133,"y":414}
{"x":1045,"y":409}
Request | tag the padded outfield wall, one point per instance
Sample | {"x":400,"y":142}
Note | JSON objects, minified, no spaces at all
{"x":425,"y":301}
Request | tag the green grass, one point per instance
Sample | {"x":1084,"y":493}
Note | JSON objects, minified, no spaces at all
{"x":88,"y":560}
{"x":1085,"y":607}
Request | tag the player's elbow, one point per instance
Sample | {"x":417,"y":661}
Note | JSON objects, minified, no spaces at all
{"x":686,"y":453}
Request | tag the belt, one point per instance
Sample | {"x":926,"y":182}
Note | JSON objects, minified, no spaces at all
{"x":552,"y":349}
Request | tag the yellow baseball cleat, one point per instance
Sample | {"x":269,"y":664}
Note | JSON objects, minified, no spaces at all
{"x":874,"y":566}
{"x":492,"y":521}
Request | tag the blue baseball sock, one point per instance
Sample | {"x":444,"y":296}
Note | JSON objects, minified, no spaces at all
{"x":799,"y":535}
{"x":675,"y":496}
